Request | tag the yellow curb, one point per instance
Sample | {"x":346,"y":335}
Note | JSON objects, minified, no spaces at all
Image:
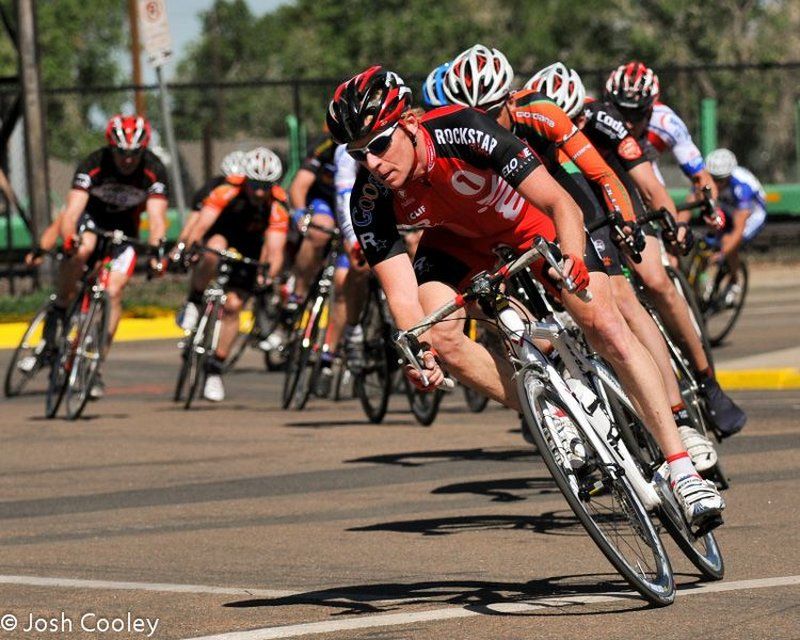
{"x":759,"y":379}
{"x":129,"y":330}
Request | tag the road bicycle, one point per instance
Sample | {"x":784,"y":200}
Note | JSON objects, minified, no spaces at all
{"x":200,"y":343}
{"x":609,"y":488}
{"x":82,"y":337}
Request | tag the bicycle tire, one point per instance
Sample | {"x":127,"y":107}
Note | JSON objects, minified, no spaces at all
{"x":424,"y":404}
{"x":59,"y":371}
{"x":696,"y":315}
{"x":476,"y":401}
{"x":186,"y":364}
{"x":373,"y":383}
{"x":16,"y":379}
{"x":93,"y":336}
{"x":594,"y":483}
{"x":299,"y":353}
{"x":702,"y":551}
{"x":716,"y":307}
{"x":201,"y":349}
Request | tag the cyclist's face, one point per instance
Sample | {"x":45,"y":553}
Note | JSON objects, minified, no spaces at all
{"x":393,"y":164}
{"x":126,"y":161}
{"x":636,"y":121}
{"x":257,"y":192}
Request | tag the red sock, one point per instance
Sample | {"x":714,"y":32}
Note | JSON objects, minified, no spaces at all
{"x":680,"y":464}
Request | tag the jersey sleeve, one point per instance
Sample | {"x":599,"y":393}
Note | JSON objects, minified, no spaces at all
{"x":344,"y":178}
{"x":592,"y":165}
{"x":667,"y":130}
{"x":157,"y":175}
{"x":373,"y":219}
{"x":86,"y":172}
{"x":220,"y":197}
{"x":316,"y":152}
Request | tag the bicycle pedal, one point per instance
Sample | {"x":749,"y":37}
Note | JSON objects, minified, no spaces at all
{"x":707,"y":526}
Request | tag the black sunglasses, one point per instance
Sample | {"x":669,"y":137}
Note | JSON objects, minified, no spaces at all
{"x":127,"y":153}
{"x":255,"y":185}
{"x":377,"y":146}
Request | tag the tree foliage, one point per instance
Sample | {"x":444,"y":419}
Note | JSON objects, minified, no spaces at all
{"x":311,"y":39}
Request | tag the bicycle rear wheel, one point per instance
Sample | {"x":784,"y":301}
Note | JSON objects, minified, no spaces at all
{"x":29,"y":356}
{"x":695,"y":314}
{"x":373,"y":383}
{"x":600,"y":496}
{"x":92,"y":341}
{"x":302,"y":359}
{"x":725,"y":301}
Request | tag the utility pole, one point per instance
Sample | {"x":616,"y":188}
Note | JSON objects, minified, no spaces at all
{"x":35,"y":141}
{"x":136,"y":56}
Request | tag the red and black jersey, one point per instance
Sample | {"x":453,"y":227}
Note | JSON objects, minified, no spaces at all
{"x":607,"y":131}
{"x":468,"y":189}
{"x":116,"y":201}
{"x":319,"y":161}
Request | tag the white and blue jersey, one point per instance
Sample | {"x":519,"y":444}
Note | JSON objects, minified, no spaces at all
{"x":344,"y":177}
{"x":744,"y":192}
{"x":665,"y":131}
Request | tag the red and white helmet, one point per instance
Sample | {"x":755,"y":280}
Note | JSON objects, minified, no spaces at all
{"x":479,"y":77}
{"x":263,"y":164}
{"x":562,"y":85}
{"x":632,"y":86}
{"x":128,"y":133}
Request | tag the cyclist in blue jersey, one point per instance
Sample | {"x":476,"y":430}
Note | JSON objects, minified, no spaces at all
{"x":743,"y":202}
{"x":433,"y":93}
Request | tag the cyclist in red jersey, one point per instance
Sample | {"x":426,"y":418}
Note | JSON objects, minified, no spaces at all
{"x":568,"y":156}
{"x":474,"y":186}
{"x":111,"y":188}
{"x":606,"y":128}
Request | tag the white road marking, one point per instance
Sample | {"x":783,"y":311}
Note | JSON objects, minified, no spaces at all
{"x":35,"y":581}
{"x":397,"y":619}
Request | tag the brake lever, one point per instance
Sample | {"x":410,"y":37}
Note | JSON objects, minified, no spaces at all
{"x":553,"y":256}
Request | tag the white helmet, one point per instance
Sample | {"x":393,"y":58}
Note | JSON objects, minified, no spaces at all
{"x":263,"y":164}
{"x":562,"y":85}
{"x":478,"y":77}
{"x":721,"y":163}
{"x":233,"y":164}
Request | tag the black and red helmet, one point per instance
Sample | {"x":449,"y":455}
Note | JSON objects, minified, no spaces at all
{"x":632,"y":86}
{"x":128,"y":133}
{"x":367,"y":103}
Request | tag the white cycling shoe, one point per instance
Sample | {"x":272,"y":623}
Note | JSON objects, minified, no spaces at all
{"x":188,"y":316}
{"x":699,"y":448}
{"x":701,"y":503}
{"x":213,"y":389}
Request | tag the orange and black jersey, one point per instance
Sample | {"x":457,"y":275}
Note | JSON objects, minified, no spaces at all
{"x":116,"y":200}
{"x":242,"y":222}
{"x":212,"y":183}
{"x":563,"y":148}
{"x":319,"y":161}
{"x":467,"y":194}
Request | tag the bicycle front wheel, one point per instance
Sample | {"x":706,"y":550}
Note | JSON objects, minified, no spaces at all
{"x":68,"y":333}
{"x":600,"y":496}
{"x":29,"y":356}
{"x":202,"y":347}
{"x":92,"y":339}
{"x":373,"y":383}
{"x":424,"y":404}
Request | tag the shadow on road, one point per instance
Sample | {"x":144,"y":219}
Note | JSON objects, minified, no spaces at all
{"x":550,"y":522}
{"x":420,"y":458}
{"x":503,"y":490}
{"x":329,"y":424}
{"x":476,"y":595}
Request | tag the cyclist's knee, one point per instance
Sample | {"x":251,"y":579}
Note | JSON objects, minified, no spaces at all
{"x":611,"y":335}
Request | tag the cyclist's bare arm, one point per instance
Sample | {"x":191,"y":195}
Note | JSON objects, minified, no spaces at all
{"x":205,"y":220}
{"x":298,"y":190}
{"x":543,"y":192}
{"x":700,"y":180}
{"x":157,"y":219}
{"x":77,"y":200}
{"x":731,"y":241}
{"x":191,"y":220}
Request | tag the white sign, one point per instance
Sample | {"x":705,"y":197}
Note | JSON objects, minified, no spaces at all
{"x":156,"y":39}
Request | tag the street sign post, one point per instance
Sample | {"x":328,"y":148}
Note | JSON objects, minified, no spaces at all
{"x":157,"y":43}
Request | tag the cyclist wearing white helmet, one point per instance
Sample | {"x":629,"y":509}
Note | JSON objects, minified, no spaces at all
{"x":743,"y":203}
{"x":252,"y":217}
{"x":479,"y":77}
{"x":433,"y":94}
{"x":606,"y":128}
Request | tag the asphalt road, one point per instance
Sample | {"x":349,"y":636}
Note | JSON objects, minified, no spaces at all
{"x":241,"y":517}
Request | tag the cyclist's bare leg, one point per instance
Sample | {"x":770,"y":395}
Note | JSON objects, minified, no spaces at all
{"x":71,"y":270}
{"x":670,"y":305}
{"x":234,"y":302}
{"x":355,"y":292}
{"x":117,"y":280}
{"x":338,"y":311}
{"x":646,"y":330}
{"x":470,"y":362}
{"x":309,"y":257}
{"x":609,"y":334}
{"x":206,"y":266}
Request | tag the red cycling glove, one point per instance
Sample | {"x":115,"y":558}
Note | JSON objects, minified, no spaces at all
{"x":356,"y":254}
{"x":578,"y":272}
